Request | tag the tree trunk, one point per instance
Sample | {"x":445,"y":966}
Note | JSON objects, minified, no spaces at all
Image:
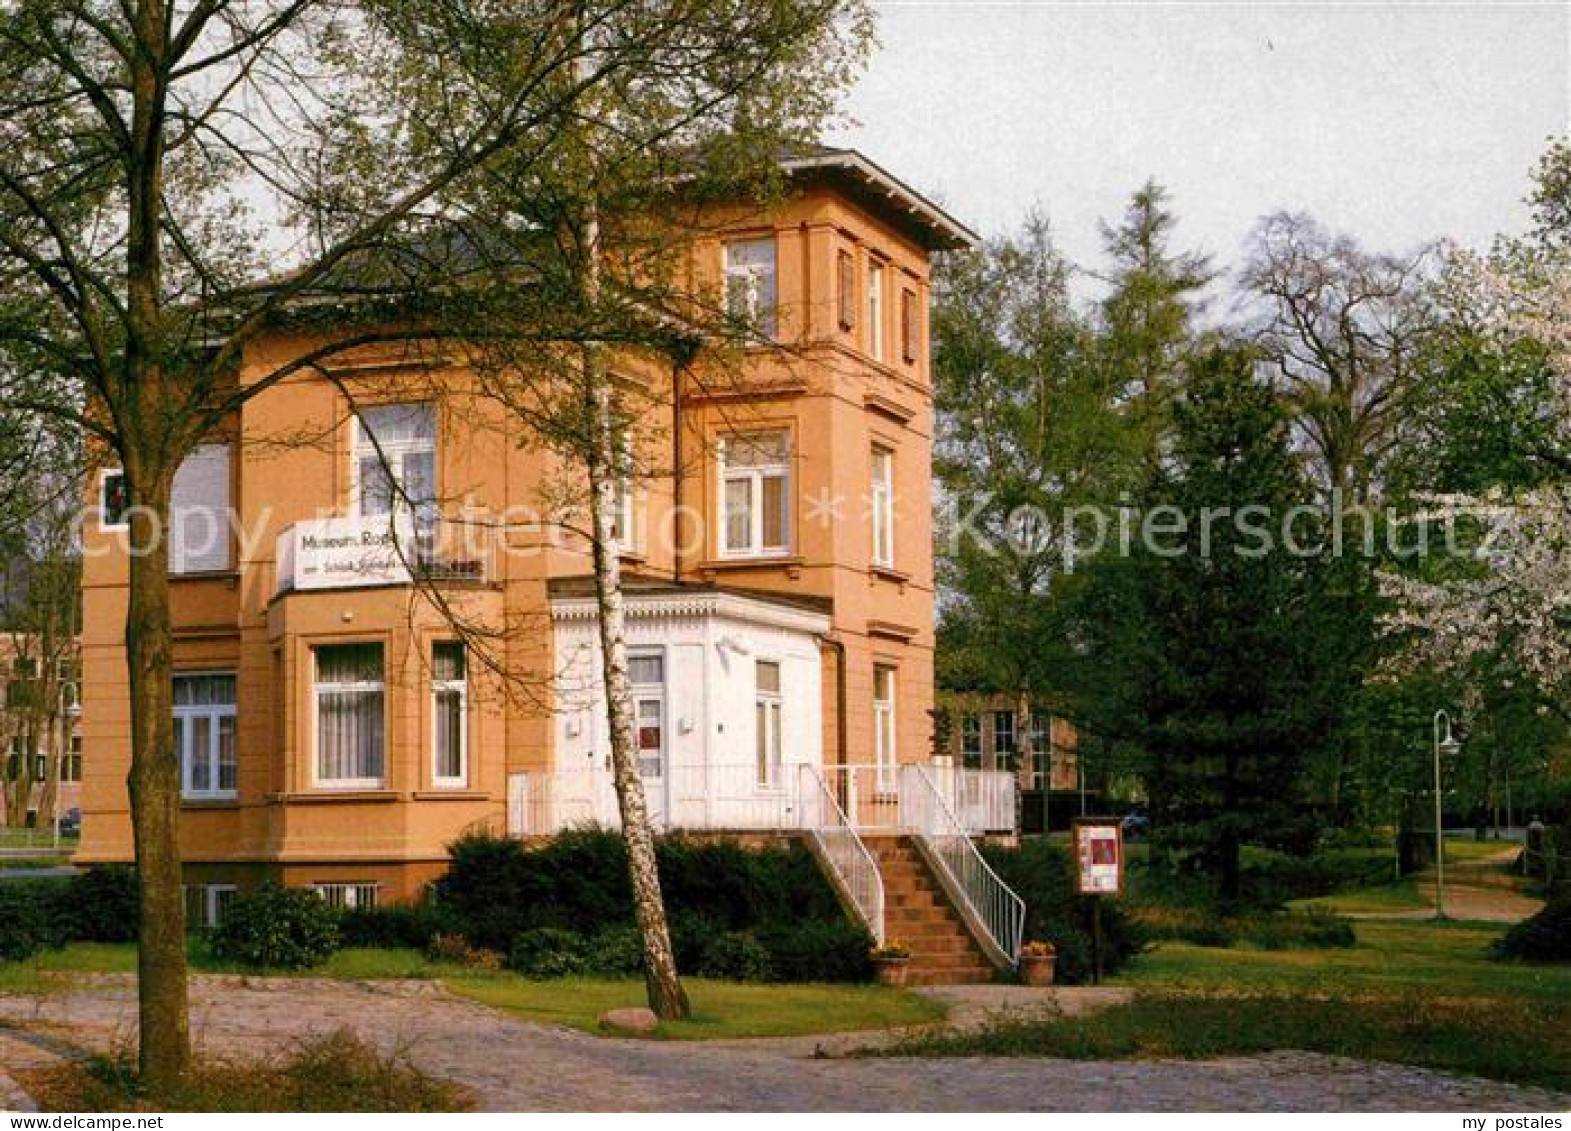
{"x":605,"y":459}
{"x":1025,"y":754}
{"x":154,"y":785}
{"x":666,"y":996}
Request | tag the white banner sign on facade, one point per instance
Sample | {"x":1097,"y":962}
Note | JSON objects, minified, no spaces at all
{"x":337,"y":553}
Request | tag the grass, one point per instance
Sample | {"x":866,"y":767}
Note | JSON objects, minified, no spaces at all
{"x":721,"y":1010}
{"x":337,"y":1072}
{"x":1393,"y":957}
{"x":47,"y":860}
{"x":1408,"y":992}
{"x":1513,"y":1041}
{"x":1386,"y":899}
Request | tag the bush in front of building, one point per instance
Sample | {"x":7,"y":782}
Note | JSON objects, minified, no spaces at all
{"x":277,"y":928}
{"x":565,"y":906}
{"x":1544,"y":937}
{"x":30,"y":919}
{"x":102,"y":904}
{"x":395,"y":925}
{"x":1040,"y":873}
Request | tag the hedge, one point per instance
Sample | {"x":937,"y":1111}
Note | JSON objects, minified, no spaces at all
{"x":566,"y":907}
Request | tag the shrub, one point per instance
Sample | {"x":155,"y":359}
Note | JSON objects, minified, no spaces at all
{"x":1183,"y":924}
{"x":456,"y":950}
{"x":550,"y":952}
{"x":277,"y":928}
{"x":1311,"y":929}
{"x":1544,"y":937}
{"x":29,"y":918}
{"x":819,"y":951}
{"x":1040,"y":874}
{"x":738,"y":956}
{"x":499,"y":891}
{"x":395,"y":925}
{"x":102,"y":904}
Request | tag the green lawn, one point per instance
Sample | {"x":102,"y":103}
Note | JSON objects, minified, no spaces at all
{"x":720,"y":1009}
{"x":1386,"y":899}
{"x":1391,"y":957}
{"x":1409,"y":992}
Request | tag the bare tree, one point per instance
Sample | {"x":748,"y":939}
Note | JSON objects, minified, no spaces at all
{"x":154,"y":156}
{"x":1342,"y":329}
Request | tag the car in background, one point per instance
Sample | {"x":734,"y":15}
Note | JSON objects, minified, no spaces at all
{"x":71,"y":823}
{"x":1135,"y":824}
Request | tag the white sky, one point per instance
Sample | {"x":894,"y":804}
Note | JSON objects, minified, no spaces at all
{"x":1398,"y":122}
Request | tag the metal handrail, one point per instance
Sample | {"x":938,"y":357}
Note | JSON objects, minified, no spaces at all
{"x":993,"y":906}
{"x":852,"y":866}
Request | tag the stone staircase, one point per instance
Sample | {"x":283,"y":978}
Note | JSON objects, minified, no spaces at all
{"x":918,"y":913}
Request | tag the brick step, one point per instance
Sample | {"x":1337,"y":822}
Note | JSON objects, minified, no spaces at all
{"x":942,"y":948}
{"x":977,"y":977}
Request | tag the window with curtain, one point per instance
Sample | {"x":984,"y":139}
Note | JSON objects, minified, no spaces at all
{"x":205,"y":730}
{"x":875,"y":311}
{"x":349,"y":715}
{"x":646,"y":674}
{"x":449,"y":712}
{"x":766,"y":708}
{"x":395,"y":463}
{"x":881,"y":493}
{"x":884,"y":723}
{"x":755,"y":477}
{"x":750,"y":283}
{"x":199,"y":512}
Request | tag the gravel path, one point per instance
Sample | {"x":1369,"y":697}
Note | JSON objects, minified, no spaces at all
{"x":513,"y":1065}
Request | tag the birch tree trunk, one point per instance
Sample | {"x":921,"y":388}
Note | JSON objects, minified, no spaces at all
{"x":605,"y":459}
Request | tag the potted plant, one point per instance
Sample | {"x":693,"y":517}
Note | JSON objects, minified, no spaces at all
{"x":893,"y":962}
{"x":1036,"y":963}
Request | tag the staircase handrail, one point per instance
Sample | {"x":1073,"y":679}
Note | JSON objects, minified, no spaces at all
{"x":850,"y":864}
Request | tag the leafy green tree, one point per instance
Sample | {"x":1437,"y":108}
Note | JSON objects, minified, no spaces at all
{"x":1202,"y":644}
{"x":1030,"y":439}
{"x":1148,"y":314}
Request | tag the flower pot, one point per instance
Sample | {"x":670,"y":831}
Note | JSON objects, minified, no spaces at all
{"x":1037,"y":969}
{"x":893,"y":971}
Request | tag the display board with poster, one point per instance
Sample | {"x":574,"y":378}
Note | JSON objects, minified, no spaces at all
{"x":1099,"y":857}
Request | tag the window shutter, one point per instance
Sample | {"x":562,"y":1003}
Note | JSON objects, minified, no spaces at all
{"x":908,"y":325}
{"x":845,"y":289}
{"x":199,"y":512}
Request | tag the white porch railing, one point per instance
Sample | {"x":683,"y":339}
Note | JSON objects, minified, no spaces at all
{"x":729,"y":797}
{"x":850,"y":864}
{"x":993,"y":907}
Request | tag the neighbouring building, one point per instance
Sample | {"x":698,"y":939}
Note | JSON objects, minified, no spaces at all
{"x":336,"y":731}
{"x":39,"y":734}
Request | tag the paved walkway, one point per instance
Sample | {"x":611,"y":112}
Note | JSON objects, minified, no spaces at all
{"x":512,"y":1065}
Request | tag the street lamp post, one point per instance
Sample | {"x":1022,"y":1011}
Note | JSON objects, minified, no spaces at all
{"x":1449,"y":746}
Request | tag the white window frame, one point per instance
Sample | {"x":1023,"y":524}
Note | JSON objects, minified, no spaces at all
{"x":392,"y":455}
{"x":353,"y":895}
{"x":999,"y":755}
{"x":772,"y":767}
{"x":886,"y":735}
{"x":639,"y":693}
{"x":213,"y":712}
{"x":317,"y":780}
{"x":211,"y":898}
{"x":73,"y":759}
{"x":876,"y":277}
{"x":462,"y":687}
{"x":104,"y":476}
{"x":754,"y":477}
{"x":882,"y":495}
{"x":766,"y":322}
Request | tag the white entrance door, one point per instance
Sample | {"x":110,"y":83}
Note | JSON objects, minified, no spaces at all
{"x":646,"y":673}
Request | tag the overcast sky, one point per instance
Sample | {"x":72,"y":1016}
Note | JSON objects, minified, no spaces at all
{"x":1398,"y":122}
